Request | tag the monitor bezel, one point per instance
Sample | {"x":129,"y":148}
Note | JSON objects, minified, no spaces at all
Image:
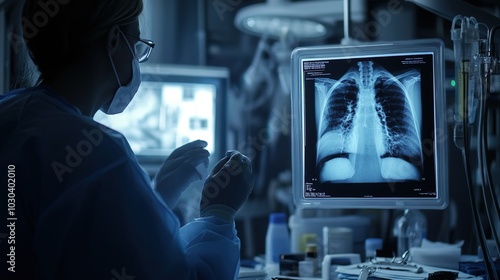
{"x":301,"y":54}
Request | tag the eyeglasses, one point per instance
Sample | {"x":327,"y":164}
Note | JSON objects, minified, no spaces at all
{"x":143,"y":48}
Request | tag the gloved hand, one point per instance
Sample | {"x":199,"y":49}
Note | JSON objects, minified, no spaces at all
{"x":185,"y":165}
{"x":228,"y":186}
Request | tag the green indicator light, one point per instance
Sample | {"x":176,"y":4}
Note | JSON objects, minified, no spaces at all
{"x":453,"y":83}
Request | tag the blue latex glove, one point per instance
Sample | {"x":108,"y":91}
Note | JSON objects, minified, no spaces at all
{"x":185,"y":165}
{"x":227,"y":187}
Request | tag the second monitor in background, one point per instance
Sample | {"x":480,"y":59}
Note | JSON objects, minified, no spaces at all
{"x":175,"y":104}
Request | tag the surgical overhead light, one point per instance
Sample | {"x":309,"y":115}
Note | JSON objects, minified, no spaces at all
{"x":278,"y":26}
{"x":304,"y":20}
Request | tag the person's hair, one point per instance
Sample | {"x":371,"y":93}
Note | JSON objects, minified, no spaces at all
{"x":58,"y":31}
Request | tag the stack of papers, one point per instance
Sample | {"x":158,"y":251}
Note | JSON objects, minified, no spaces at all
{"x":353,"y":271}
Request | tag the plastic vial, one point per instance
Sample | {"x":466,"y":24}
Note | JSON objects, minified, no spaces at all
{"x":277,"y":238}
{"x":306,"y":268}
{"x":411,"y":230}
{"x":312,"y":255}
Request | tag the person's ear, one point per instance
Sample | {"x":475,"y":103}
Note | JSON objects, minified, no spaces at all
{"x":113,"y":39}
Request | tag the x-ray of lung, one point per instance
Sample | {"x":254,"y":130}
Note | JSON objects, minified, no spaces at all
{"x":369,"y":125}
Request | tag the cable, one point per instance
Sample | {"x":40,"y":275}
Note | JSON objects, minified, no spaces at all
{"x":464,"y":39}
{"x":486,"y":172}
{"x":475,"y":211}
{"x":482,"y":144}
{"x":487,"y":177}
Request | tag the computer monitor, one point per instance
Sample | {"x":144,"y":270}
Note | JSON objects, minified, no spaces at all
{"x":175,"y":104}
{"x":369,"y":126}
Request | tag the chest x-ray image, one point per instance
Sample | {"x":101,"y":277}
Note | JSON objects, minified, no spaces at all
{"x":369,"y":125}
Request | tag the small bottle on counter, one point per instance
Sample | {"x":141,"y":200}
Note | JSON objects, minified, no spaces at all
{"x":312,"y":255}
{"x":277,"y":238}
{"x":411,"y":230}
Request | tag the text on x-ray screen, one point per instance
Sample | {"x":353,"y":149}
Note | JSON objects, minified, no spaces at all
{"x":369,"y":121}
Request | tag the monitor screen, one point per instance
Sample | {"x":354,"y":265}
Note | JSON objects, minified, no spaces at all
{"x":369,"y":126}
{"x":174,"y":105}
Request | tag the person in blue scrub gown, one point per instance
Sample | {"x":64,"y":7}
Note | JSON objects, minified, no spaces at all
{"x":76,"y":203}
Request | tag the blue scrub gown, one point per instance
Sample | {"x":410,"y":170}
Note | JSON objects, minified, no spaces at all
{"x":84,"y":209}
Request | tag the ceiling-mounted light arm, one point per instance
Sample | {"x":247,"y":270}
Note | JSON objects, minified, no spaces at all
{"x":347,"y":18}
{"x":347,"y":39}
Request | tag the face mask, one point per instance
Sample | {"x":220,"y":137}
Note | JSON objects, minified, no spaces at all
{"x":124,"y":94}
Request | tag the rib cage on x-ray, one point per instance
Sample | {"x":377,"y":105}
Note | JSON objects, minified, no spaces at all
{"x":369,"y":126}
